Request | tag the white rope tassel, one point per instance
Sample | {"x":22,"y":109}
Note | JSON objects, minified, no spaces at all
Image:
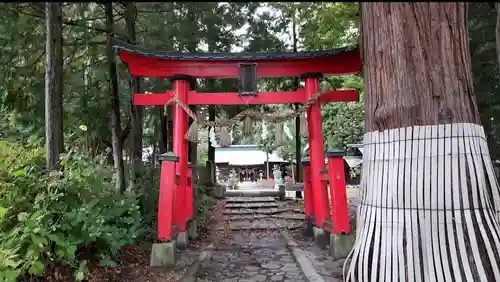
{"x":264,"y":129}
{"x":211,"y":135}
{"x":429,"y":207}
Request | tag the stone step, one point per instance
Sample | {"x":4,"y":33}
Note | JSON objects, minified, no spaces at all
{"x":251,"y":206}
{"x":246,"y":217}
{"x":267,"y":216}
{"x":290,"y":216}
{"x":250,"y":193}
{"x":256,"y":211}
{"x":242,"y":200}
{"x":259,"y":225}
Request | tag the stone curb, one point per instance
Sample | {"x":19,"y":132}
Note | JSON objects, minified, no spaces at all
{"x":193,"y":270}
{"x":299,"y":256}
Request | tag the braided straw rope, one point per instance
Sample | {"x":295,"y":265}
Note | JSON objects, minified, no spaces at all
{"x":274,"y":117}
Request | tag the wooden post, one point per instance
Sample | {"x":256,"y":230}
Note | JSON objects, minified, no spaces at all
{"x":168,"y":181}
{"x":189,"y":192}
{"x":308,"y":191}
{"x":317,"y":156}
{"x":338,"y":196}
{"x":181,"y":88}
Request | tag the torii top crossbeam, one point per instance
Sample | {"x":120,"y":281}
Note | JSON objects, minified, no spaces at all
{"x":148,"y":63}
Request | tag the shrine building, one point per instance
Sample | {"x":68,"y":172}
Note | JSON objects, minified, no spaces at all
{"x":249,"y":161}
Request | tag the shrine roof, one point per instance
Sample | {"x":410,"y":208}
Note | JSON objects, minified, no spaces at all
{"x":122,"y":46}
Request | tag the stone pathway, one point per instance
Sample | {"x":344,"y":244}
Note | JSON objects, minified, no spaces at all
{"x":329,"y":269}
{"x":252,"y":256}
{"x":252,"y":248}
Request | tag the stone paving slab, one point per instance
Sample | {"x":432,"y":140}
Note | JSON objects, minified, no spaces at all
{"x":258,"y":256}
{"x":325,"y":265}
{"x":329,"y":269}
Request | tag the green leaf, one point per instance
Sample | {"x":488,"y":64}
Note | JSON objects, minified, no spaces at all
{"x":18,"y":173}
{"x":3,"y":212}
{"x":22,"y":216}
{"x":57,"y":238}
{"x":9,"y":275}
{"x":80,"y":272}
{"x":106,"y":261}
{"x":79,"y":276}
{"x":39,"y":240}
{"x":36,"y":268}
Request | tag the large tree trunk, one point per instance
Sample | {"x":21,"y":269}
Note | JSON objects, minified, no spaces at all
{"x":116,"y":130}
{"x":136,"y":112}
{"x":53,"y":85}
{"x":298,"y":139}
{"x":429,"y":198}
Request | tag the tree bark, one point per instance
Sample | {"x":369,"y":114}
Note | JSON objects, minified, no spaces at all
{"x":298,"y":138}
{"x":192,"y":147}
{"x":116,"y":130}
{"x":54,"y":141}
{"x":211,"y":148}
{"x":136,"y":112}
{"x":429,"y":196}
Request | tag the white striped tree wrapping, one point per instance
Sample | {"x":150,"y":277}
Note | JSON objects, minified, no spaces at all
{"x":429,"y":207}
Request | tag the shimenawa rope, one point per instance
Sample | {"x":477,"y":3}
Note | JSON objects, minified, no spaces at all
{"x":249,"y":115}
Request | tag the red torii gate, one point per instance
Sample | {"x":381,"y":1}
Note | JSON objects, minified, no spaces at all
{"x":181,"y":68}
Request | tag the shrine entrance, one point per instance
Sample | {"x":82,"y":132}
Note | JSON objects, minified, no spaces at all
{"x":324,"y":190}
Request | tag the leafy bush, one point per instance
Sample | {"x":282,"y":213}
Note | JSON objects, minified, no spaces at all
{"x":148,"y":188}
{"x":204,"y":204}
{"x":59,"y":217}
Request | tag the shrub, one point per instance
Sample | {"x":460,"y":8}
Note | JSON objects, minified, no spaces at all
{"x":55,"y":217}
{"x":148,"y":188}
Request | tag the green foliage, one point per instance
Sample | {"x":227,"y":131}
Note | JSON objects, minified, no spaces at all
{"x":485,"y":69}
{"x":148,"y":188}
{"x":203,"y":204}
{"x":326,"y":25}
{"x":59,"y":217}
{"x":343,"y":123}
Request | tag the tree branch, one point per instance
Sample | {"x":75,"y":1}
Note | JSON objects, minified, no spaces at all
{"x":75,"y":43}
{"x":69,"y":22}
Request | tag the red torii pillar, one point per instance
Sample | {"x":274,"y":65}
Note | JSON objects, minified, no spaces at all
{"x":341,"y":238}
{"x":180,"y":148}
{"x":308,"y":198}
{"x":317,"y":160}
